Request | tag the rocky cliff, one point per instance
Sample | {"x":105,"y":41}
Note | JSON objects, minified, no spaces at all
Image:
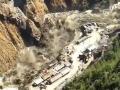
{"x":10,"y":43}
{"x":17,"y":30}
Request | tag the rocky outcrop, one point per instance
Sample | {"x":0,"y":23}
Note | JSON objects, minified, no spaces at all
{"x":10,"y":43}
{"x":16,"y":32}
{"x":35,"y":10}
{"x":10,"y":39}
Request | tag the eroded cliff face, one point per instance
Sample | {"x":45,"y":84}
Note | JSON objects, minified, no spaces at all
{"x":35,"y":10}
{"x":17,"y":30}
{"x":10,"y":40}
{"x":10,"y":43}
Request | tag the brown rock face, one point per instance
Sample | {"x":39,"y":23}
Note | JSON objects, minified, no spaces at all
{"x":10,"y":40}
{"x":10,"y":43}
{"x":16,"y":32}
{"x":35,"y":10}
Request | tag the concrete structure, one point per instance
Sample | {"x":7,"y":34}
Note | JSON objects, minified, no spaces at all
{"x":56,"y":77}
{"x":65,"y":71}
{"x":10,"y":88}
{"x":59,"y":66}
{"x":38,"y":80}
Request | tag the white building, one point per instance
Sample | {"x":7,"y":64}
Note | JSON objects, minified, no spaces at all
{"x":38,"y":80}
{"x":65,"y":71}
{"x":10,"y":88}
{"x":59,"y":66}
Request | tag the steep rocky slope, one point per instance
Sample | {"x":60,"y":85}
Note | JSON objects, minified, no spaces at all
{"x":16,"y":32}
{"x":10,"y":43}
